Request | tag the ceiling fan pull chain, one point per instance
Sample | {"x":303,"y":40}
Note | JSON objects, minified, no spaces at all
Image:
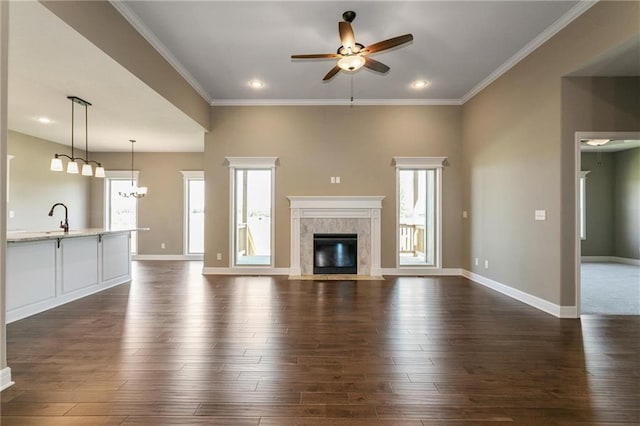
{"x":351,"y":89}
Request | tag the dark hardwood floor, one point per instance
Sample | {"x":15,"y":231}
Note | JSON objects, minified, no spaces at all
{"x":175,"y":347}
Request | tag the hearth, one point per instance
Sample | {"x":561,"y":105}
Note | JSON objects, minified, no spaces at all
{"x":335,"y":253}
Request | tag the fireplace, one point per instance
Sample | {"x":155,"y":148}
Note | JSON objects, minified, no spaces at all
{"x":335,"y":214}
{"x":335,"y":253}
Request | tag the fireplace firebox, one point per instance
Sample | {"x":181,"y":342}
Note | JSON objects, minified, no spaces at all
{"x":335,"y":253}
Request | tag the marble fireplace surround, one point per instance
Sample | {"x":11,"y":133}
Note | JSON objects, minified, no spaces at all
{"x":335,"y":214}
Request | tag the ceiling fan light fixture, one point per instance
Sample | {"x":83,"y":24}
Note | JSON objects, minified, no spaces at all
{"x":351,"y":62}
{"x":598,"y":142}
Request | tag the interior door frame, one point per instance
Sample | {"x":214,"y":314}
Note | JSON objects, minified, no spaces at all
{"x":576,"y":198}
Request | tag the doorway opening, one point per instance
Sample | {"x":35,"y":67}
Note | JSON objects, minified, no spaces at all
{"x":607,"y":231}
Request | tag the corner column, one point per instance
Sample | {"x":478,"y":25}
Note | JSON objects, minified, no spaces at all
{"x":5,"y":371}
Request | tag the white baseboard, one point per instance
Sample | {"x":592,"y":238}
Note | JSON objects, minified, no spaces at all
{"x":610,"y":259}
{"x":5,"y":378}
{"x":412,"y":272}
{"x":249,"y":270}
{"x":167,"y":257}
{"x":529,"y":299}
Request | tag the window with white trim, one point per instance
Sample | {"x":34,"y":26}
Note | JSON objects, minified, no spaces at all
{"x":419,"y":234}
{"x":583,"y":204}
{"x":193,"y":212}
{"x":252,"y":214}
{"x":121,"y":212}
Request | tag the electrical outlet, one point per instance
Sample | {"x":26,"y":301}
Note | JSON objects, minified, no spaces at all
{"x":219,"y":256}
{"x":333,"y":179}
{"x":12,"y":214}
{"x":464,"y":214}
{"x":163,"y":246}
{"x":476,"y":261}
{"x":486,"y":264}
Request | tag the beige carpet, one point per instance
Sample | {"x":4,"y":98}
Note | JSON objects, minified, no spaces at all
{"x":335,"y":277}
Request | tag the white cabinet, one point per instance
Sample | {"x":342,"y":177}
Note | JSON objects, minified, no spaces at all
{"x":42,"y":274}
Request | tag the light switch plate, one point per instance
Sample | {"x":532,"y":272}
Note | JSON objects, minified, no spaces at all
{"x":464,"y":214}
{"x":541,"y":215}
{"x":12,"y":214}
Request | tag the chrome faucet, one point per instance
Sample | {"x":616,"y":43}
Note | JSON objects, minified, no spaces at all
{"x":63,"y":224}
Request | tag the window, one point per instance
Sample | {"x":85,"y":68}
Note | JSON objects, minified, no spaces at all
{"x":583,"y":204}
{"x":121,"y":212}
{"x":419,"y":210}
{"x":252,"y":194}
{"x":194,"y":212}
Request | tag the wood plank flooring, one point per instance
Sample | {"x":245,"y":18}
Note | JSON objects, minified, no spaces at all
{"x":177,"y":348}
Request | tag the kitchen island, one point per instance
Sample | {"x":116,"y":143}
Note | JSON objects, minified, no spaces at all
{"x":48,"y":269}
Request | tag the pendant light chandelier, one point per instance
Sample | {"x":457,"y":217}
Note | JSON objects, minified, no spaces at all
{"x":136,"y":191}
{"x":72,"y":165}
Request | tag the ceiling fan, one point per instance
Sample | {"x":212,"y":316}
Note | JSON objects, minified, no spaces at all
{"x":352,"y":55}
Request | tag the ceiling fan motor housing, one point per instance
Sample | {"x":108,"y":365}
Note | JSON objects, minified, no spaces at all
{"x":349,"y":16}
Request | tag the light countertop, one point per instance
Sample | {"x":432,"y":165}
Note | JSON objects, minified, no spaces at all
{"x":21,"y":236}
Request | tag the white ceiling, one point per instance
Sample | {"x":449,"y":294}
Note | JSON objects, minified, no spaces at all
{"x":49,"y":61}
{"x":221,"y":45}
{"x":218,"y":46}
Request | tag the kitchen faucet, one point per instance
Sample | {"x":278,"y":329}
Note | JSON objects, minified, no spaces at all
{"x":64,"y":225}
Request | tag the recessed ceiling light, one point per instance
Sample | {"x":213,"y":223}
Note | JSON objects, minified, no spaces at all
{"x":597,"y":142}
{"x":419,"y":84}
{"x":44,"y":120}
{"x":256,"y":84}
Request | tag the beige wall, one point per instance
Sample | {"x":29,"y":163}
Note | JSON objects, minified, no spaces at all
{"x":627,"y":204}
{"x":33,"y":188}
{"x":518,"y":150}
{"x":599,"y":187}
{"x":105,"y":27}
{"x":314,"y":143}
{"x":162,"y":209}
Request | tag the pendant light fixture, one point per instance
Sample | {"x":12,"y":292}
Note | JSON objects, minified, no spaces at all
{"x":72,"y":165}
{"x":136,"y":191}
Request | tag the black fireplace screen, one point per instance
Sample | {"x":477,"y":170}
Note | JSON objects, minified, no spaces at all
{"x":335,"y":253}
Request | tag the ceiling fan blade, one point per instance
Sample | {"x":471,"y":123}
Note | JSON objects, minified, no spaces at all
{"x":388,"y":44}
{"x":346,"y":35}
{"x":372,"y":64}
{"x":317,"y":56}
{"x":331,"y":73}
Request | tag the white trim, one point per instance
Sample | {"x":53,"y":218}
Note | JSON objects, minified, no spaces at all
{"x":418,"y":162}
{"x":335,"y":102}
{"x":192,"y":174}
{"x":420,"y":271}
{"x":581,"y":7}
{"x":335,"y":202}
{"x":252,"y":162}
{"x":5,"y":378}
{"x":249,"y":270}
{"x":584,"y":173}
{"x":167,"y":257}
{"x":610,"y":259}
{"x":153,"y":40}
{"x":529,"y":299}
{"x":421,"y":163}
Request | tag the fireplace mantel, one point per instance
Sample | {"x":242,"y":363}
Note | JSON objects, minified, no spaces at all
{"x":336,"y":207}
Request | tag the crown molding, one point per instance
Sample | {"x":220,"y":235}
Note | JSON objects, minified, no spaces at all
{"x":550,"y":31}
{"x":335,"y":102}
{"x":148,"y":35}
